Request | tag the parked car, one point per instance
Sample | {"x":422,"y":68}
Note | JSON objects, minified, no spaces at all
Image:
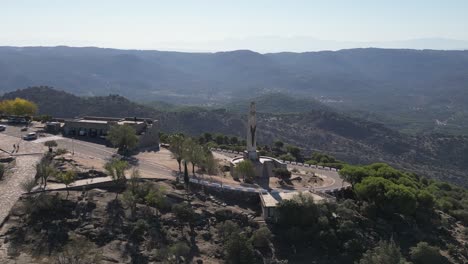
{"x":30,"y":136}
{"x":24,"y":128}
{"x":2,"y":128}
{"x":17,"y":120}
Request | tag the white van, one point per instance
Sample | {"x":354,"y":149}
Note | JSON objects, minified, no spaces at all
{"x":30,"y":136}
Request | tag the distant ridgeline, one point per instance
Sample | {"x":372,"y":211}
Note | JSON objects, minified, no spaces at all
{"x":410,"y":90}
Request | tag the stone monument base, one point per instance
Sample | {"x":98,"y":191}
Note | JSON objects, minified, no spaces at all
{"x":263,"y":167}
{"x":251,"y":155}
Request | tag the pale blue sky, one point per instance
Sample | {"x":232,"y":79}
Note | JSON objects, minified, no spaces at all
{"x":223,"y":25}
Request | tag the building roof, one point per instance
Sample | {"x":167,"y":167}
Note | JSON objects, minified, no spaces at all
{"x":124,"y":122}
{"x":268,"y":200}
{"x":91,"y":121}
{"x":109,"y":120}
{"x":290,"y":195}
{"x":274,"y":198}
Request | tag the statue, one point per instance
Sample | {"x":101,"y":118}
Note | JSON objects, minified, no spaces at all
{"x":252,"y":133}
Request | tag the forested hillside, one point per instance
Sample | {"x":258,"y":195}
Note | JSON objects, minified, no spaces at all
{"x":350,"y":139}
{"x":62,"y":104}
{"x":414,"y":90}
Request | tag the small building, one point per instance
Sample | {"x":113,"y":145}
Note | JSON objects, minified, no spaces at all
{"x":52,"y":127}
{"x":93,"y":126}
{"x":98,"y":127}
{"x":271,"y":200}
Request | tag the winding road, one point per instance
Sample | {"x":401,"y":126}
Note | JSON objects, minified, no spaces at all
{"x":151,"y":168}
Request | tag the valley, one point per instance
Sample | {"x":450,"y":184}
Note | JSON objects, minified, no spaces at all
{"x":314,"y":127}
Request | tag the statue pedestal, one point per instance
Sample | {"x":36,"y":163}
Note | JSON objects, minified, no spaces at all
{"x":251,"y":155}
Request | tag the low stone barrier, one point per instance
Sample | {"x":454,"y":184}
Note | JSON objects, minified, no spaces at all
{"x":220,"y":186}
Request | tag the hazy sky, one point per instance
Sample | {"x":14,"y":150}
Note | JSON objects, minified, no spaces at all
{"x":210,"y":24}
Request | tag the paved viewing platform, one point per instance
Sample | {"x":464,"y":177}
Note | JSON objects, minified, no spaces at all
{"x":24,"y":169}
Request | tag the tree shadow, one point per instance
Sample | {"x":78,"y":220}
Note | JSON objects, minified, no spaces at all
{"x":133,"y":251}
{"x":194,"y":250}
{"x":53,"y":239}
{"x":113,"y":223}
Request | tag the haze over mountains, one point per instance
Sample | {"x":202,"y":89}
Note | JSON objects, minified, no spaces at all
{"x":411,"y":90}
{"x":268,"y":44}
{"x":243,"y":73}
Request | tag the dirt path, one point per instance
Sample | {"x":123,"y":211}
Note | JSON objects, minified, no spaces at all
{"x":10,"y":186}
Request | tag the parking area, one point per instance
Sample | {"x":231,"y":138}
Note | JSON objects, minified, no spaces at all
{"x":19,"y":131}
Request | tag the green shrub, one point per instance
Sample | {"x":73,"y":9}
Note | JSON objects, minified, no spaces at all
{"x":28,"y":185}
{"x":138,"y":229}
{"x":465,"y":233}
{"x":461,"y":215}
{"x":383,"y":253}
{"x":179,"y":249}
{"x":60,"y":151}
{"x":155,"y":197}
{"x":287,"y":157}
{"x":282,"y":173}
{"x":79,"y":251}
{"x":423,"y":253}
{"x":261,"y":237}
{"x":50,"y":143}
{"x":226,"y":229}
{"x":184,"y":212}
{"x":239,"y":250}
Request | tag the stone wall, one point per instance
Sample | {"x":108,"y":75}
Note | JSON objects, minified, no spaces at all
{"x":150,"y":138}
{"x":234,"y":196}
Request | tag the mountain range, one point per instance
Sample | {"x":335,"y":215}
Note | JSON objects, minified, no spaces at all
{"x":268,"y":44}
{"x":414,"y":91}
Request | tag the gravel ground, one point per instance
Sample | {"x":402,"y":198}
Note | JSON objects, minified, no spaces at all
{"x":10,"y":186}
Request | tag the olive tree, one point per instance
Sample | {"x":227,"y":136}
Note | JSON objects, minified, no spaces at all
{"x":116,"y":169}
{"x":176,"y":146}
{"x":193,"y":152}
{"x":67,"y":178}
{"x":123,"y":137}
{"x":50,"y":144}
{"x":45,"y":169}
{"x":246,"y":169}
